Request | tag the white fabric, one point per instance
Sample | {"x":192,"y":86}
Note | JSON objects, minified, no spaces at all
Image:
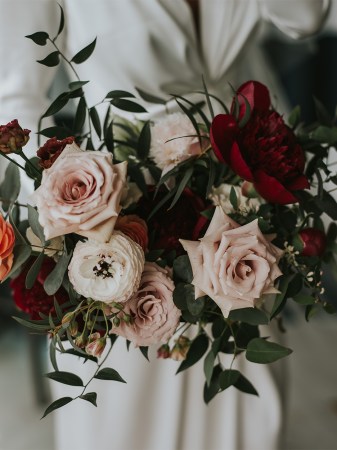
{"x":152,"y":44}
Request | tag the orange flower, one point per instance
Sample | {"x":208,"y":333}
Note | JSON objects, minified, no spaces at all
{"x":135,"y":228}
{"x":7,"y":240}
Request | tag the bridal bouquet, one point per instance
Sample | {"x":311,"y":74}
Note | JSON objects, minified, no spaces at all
{"x":186,"y":233}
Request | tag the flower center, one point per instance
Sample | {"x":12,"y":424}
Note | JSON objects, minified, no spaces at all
{"x":103,"y":268}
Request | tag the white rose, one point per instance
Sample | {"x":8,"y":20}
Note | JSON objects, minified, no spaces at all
{"x":107,"y":272}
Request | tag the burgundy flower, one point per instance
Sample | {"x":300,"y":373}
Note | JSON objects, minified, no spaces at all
{"x":167,"y":226}
{"x":35,"y":300}
{"x":264,"y":150}
{"x":51,"y":150}
{"x":314,"y":242}
{"x":13,"y":137}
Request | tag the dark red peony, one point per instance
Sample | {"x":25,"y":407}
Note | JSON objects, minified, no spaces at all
{"x":167,"y":226}
{"x":51,"y":150}
{"x":13,"y":137}
{"x":314,"y":242}
{"x":264,"y":150}
{"x":35,"y":300}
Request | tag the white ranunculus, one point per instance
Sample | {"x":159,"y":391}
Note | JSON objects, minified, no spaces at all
{"x":107,"y":272}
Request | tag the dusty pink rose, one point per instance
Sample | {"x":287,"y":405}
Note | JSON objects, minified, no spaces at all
{"x":154,"y":316}
{"x":234,"y":265}
{"x":80,"y":194}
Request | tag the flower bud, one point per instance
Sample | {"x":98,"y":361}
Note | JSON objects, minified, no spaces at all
{"x":248,"y":190}
{"x":73,"y":328}
{"x":164,"y":351}
{"x":13,"y":137}
{"x":67,"y":318}
{"x":96,"y":345}
{"x":180,"y":348}
{"x":80,"y":341}
{"x":51,"y":150}
{"x":314,"y":242}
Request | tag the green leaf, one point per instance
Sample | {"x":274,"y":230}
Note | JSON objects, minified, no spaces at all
{"x":294,"y":117}
{"x":245,"y":385}
{"x":324,"y":135}
{"x":182,"y":268}
{"x":95,"y":121}
{"x":197,"y":350}
{"x":249,"y":315}
{"x":39,"y":38}
{"x":281,"y":298}
{"x":37,"y":325}
{"x":34,"y":271}
{"x":150,"y":98}
{"x":209,"y":366}
{"x":186,"y":178}
{"x":127,"y":105}
{"x":57,"y":105}
{"x":195,"y":305}
{"x":180,"y":294}
{"x":52,"y":354}
{"x":327,"y":204}
{"x":81,"y":354}
{"x":61,"y":26}
{"x":144,"y":141}
{"x":57,"y":404}
{"x":54,"y":280}
{"x":304,"y":299}
{"x":33,"y":218}
{"x":90,"y":397}
{"x":80,"y":115}
{"x":144,"y":351}
{"x":208,"y":100}
{"x":109,"y":374}
{"x":10,"y":186}
{"x":214,"y":387}
{"x":58,"y":132}
{"x":228,"y":378}
{"x":233,"y":198}
{"x":65,"y":377}
{"x":74,"y":85}
{"x":21,"y":252}
{"x":119,"y":94}
{"x":85,"y":53}
{"x":51,"y":60}
{"x":263,"y":352}
{"x":323,"y":115}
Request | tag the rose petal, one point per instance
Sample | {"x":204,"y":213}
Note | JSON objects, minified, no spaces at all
{"x":272,"y":190}
{"x":300,"y":183}
{"x":257,"y":96}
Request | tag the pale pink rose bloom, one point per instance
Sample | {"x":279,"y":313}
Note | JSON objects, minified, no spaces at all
{"x":80,"y":194}
{"x":154,"y":316}
{"x":234,"y":265}
{"x":107,"y":272}
{"x":168,"y":153}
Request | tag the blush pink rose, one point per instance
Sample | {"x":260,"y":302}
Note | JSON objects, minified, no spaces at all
{"x":154,"y":316}
{"x":232,"y":264}
{"x":80,"y":194}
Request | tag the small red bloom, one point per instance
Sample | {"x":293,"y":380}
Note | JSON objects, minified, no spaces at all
{"x":35,"y":300}
{"x":314,"y":242}
{"x":51,"y":150}
{"x":264,"y":150}
{"x":13,"y":137}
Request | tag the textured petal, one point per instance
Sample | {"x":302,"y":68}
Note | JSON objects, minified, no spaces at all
{"x":272,"y":190}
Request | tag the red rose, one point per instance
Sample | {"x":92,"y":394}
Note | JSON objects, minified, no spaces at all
{"x":167,"y":226}
{"x":314,"y":242}
{"x":12,"y":137}
{"x":51,"y":150}
{"x":35,"y":300}
{"x":264,"y":150}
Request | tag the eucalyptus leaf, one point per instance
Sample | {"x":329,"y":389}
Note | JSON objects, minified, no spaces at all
{"x":127,"y":105}
{"x":252,"y":316}
{"x":58,"y":132}
{"x":144,"y":351}
{"x":74,"y":85}
{"x":57,"y":105}
{"x":150,"y":98}
{"x":262,"y":351}
{"x":119,"y":94}
{"x":181,"y":186}
{"x":195,"y":305}
{"x":54,"y":280}
{"x":61,"y":25}
{"x":294,"y":117}
{"x":57,"y":404}
{"x":10,"y":186}
{"x":33,"y":218}
{"x":233,"y":198}
{"x":214,"y":387}
{"x":32,"y":324}
{"x":34,"y":271}
{"x":209,"y":366}
{"x":304,"y":299}
{"x":245,"y":385}
{"x":228,"y":378}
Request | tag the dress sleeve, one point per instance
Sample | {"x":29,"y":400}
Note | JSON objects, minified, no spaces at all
{"x":24,"y":83}
{"x":296,"y":18}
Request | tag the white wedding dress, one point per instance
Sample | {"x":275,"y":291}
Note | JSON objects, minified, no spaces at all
{"x":153,"y":45}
